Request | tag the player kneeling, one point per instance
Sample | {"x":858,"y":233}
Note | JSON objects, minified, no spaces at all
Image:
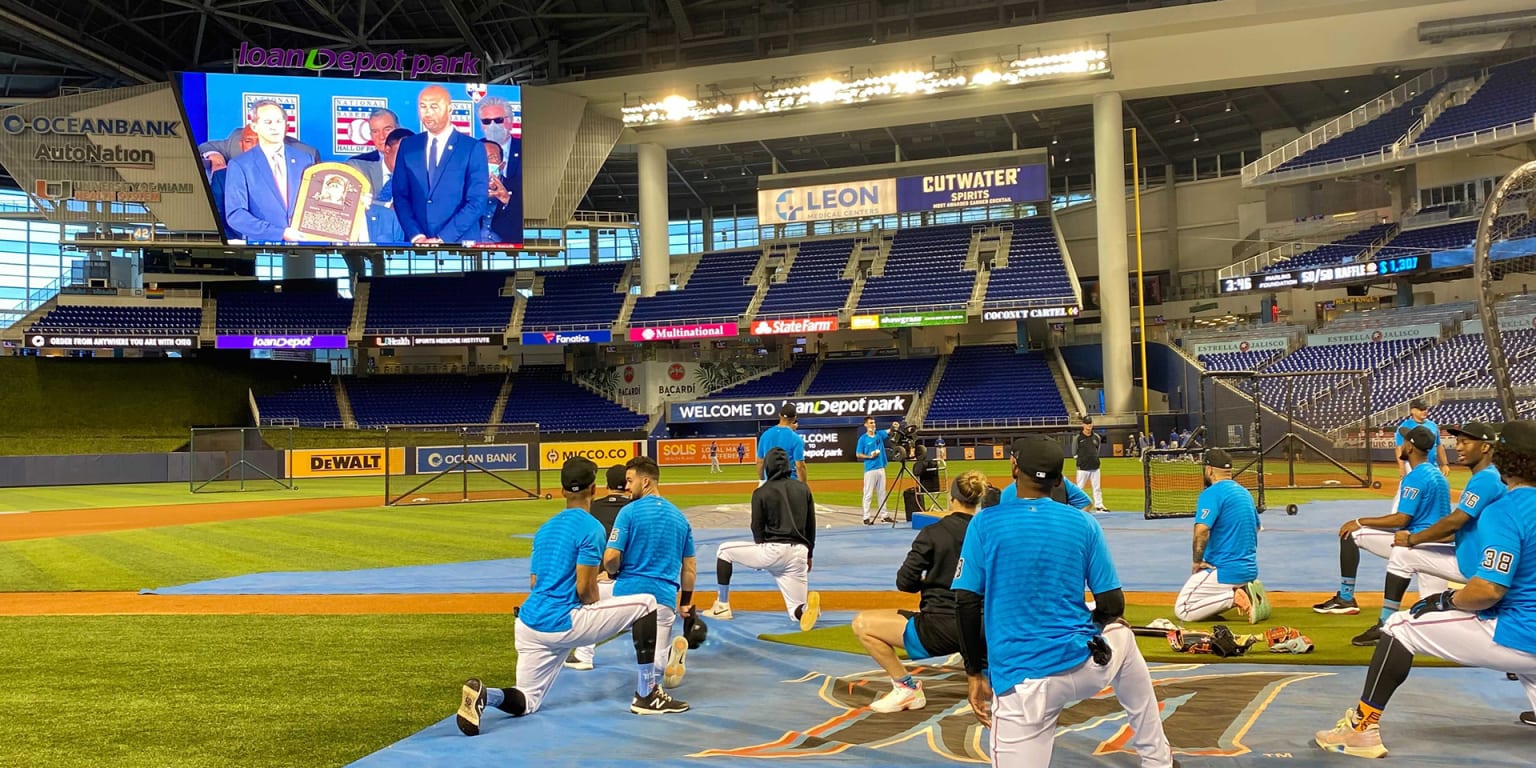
{"x":1225,"y":573}
{"x":1491,"y":623}
{"x":562,"y":611}
{"x":783,"y":542}
{"x":929,"y":569}
{"x":1042,"y":649}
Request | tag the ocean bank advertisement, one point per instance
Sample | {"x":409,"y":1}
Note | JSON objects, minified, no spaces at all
{"x":488,"y":457}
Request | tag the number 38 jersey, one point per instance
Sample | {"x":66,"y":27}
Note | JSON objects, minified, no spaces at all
{"x":1506,"y":532}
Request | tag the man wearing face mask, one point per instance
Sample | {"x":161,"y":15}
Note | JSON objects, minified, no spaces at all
{"x":381,"y":124}
{"x":503,"y":221}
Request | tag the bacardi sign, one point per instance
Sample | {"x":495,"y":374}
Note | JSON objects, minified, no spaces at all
{"x":785,"y":326}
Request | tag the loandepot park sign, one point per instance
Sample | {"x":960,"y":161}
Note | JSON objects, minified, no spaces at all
{"x":753,"y":409}
{"x":358,"y":63}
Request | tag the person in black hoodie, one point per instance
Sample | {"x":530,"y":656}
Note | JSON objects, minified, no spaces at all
{"x":929,"y":568}
{"x":783,"y":540}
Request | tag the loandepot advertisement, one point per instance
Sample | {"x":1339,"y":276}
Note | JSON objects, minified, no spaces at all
{"x":605,"y":453}
{"x":346,"y":462}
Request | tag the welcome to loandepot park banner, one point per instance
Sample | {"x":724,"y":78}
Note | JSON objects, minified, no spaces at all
{"x":909,"y":194}
{"x":765,"y":409}
{"x":1239,"y":345}
{"x":1423,"y":331}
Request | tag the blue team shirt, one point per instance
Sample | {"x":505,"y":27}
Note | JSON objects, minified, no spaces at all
{"x":869,"y":444}
{"x":654,"y":536}
{"x":1410,"y":423}
{"x":1029,"y":560}
{"x":1507,"y":532}
{"x":1483,"y":489}
{"x":1228,"y":510}
{"x":1075,"y":495}
{"x":782,"y":437}
{"x":1424,"y":496}
{"x":565,"y":541}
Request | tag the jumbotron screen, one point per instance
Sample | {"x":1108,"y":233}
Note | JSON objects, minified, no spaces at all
{"x":344,"y":162}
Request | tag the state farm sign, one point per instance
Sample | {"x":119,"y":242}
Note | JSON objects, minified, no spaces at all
{"x":794,"y":325}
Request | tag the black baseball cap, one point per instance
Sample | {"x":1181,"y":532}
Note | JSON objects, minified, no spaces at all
{"x":1419,"y":437}
{"x":1419,"y":403}
{"x":1038,"y":456}
{"x":1218,"y":458}
{"x":578,"y":474}
{"x":1087,"y":419}
{"x":617,"y":478}
{"x":1519,"y":436}
{"x":1475,"y":430}
{"x":789,"y":411}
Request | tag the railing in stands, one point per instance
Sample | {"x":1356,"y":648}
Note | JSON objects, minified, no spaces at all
{"x":1396,"y":155}
{"x":1032,"y":421}
{"x":610,"y":218}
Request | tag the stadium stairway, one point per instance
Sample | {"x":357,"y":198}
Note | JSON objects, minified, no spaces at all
{"x":621,"y":323}
{"x":919,"y":410}
{"x":1065,"y":386}
{"x":360,"y":292}
{"x":810,"y":375}
{"x":209,"y":329}
{"x":499,"y":409}
{"x":344,"y":404}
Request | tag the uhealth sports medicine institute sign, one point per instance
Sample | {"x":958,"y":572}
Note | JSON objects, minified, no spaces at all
{"x":909,"y":194}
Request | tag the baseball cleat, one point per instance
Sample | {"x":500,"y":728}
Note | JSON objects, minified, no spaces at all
{"x":1367,"y":638}
{"x":1337,"y":605}
{"x":576,"y":662}
{"x":1344,"y":739}
{"x":1512,"y":677}
{"x":1101,"y":508}
{"x":869,"y":521}
{"x":900,"y":698}
{"x":675,"y":669}
{"x":471,"y":704}
{"x":1529,"y":718}
{"x":811,"y":612}
{"x":657,"y":702}
{"x":721,"y":611}
{"x":1260,"y":610}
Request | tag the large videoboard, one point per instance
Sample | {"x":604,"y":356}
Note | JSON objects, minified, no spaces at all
{"x":314,"y":161}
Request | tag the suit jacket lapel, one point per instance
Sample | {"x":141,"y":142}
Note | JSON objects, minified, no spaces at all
{"x":442,"y":159}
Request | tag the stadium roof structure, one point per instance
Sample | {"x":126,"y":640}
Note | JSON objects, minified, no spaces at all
{"x":600,"y":48}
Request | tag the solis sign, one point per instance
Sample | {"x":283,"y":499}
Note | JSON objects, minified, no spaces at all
{"x":400,"y":62}
{"x":794,"y":325}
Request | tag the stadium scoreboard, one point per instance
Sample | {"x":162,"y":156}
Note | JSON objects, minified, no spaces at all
{"x":1318,"y":277}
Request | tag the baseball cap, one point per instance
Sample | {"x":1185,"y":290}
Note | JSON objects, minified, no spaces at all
{"x":1038,"y":456}
{"x":1419,"y":403}
{"x":1218,"y":458}
{"x":789,"y":411}
{"x":1087,"y":419}
{"x":1475,"y":430}
{"x":617,"y":478}
{"x":1519,"y":436}
{"x":578,"y":474}
{"x":1420,"y":437}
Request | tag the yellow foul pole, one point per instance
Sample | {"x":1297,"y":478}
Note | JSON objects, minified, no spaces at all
{"x":1141,"y":287}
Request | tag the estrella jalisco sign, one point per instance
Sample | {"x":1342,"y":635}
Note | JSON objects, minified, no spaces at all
{"x":400,"y":62}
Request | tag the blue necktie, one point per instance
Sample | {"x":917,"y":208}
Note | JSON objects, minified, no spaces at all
{"x":432,"y":162}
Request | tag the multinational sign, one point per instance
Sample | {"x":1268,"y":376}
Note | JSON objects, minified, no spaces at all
{"x":794,"y":325}
{"x":683,"y":332}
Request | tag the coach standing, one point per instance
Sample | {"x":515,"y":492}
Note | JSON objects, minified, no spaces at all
{"x":871,"y":449}
{"x":783,"y":436}
{"x":1418,"y":416}
{"x":1085,"y":452}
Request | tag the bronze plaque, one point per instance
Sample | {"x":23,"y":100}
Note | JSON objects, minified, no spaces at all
{"x":333,"y":203}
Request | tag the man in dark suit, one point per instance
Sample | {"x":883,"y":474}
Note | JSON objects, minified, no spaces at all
{"x":504,"y":209}
{"x":383,"y":226}
{"x":242,"y":138}
{"x":262,"y":185}
{"x":381,"y":124}
{"x":441,"y":177}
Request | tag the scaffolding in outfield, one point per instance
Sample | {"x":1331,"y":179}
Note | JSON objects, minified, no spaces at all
{"x":235,"y":459}
{"x":456,"y":463}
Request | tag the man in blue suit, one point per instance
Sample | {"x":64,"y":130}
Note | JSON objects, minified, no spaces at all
{"x":262,"y":185}
{"x":441,"y":177}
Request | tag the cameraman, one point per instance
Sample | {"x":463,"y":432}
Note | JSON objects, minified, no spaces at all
{"x":871,"y":450}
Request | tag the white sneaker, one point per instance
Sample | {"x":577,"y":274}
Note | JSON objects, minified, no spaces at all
{"x":721,"y":611}
{"x":576,"y":661}
{"x":900,"y":698}
{"x":811,"y":611}
{"x":675,"y":669}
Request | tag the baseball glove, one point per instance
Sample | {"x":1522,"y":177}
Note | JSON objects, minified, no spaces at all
{"x":1298,"y":644}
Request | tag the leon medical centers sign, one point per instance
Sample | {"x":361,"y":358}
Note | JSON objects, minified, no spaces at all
{"x":1000,"y":185}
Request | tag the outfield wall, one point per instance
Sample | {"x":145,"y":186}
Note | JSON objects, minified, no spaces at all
{"x":117,"y":468}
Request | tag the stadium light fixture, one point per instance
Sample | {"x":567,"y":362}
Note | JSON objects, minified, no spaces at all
{"x":1178,"y":117}
{"x":806,"y":93}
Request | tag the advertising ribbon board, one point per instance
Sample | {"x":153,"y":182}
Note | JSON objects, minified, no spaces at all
{"x":1240,"y":345}
{"x":961,"y":189}
{"x":62,"y":341}
{"x":683,"y":332}
{"x":918,"y":319}
{"x":434,"y":340}
{"x":794,"y":325}
{"x":1506,"y":323}
{"x":1034,"y":313}
{"x":605,"y":453}
{"x":821,"y":202}
{"x":531,"y":338}
{"x":345,"y":462}
{"x":695,"y":453}
{"x":827,"y":445}
{"x":767,"y":409}
{"x":489,"y":457}
{"x":1423,"y":331}
{"x":282,"y":341}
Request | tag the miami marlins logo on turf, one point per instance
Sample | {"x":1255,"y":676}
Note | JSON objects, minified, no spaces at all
{"x":1204,"y":714}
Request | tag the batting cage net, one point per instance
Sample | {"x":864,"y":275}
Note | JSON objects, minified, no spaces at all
{"x":1503,"y":263}
{"x":233,"y":459}
{"x":454,"y":463}
{"x":1174,"y":477}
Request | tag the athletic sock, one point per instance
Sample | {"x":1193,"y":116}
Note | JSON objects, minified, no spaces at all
{"x":1392,"y":595}
{"x":646,"y":680}
{"x":905,"y":682}
{"x":1390,"y":665}
{"x":1369,"y":716}
{"x":494,"y":697}
{"x":512,"y":701}
{"x":1347,"y":589}
{"x":1388,"y":607}
{"x":723,"y":594}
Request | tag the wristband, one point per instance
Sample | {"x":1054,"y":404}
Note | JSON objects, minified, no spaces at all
{"x":685,"y":599}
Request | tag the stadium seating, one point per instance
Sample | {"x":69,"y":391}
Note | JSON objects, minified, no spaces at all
{"x":1443,"y":314}
{"x":925,"y":268}
{"x":293,"y":312}
{"x":311,"y":405}
{"x":1340,"y":251}
{"x":1036,"y":271}
{"x":540,"y":394}
{"x":1459,"y":234}
{"x":381,"y":400}
{"x":138,"y":320}
{"x":996,"y":384}
{"x":854,"y":375}
{"x":1505,"y":97}
{"x":1456,"y":412}
{"x":815,"y":285}
{"x":1304,"y":390}
{"x":1239,"y":361}
{"x":717,"y":289}
{"x":576,"y":298}
{"x":1386,"y":129}
{"x":466,"y":303}
{"x":781,"y":384}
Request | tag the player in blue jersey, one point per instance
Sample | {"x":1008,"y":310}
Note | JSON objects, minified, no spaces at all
{"x":1031,"y":645}
{"x":1423,"y":498}
{"x":650,"y":552}
{"x":1067,"y":493}
{"x":563,"y":610}
{"x":1225,"y":569}
{"x":783,"y":436}
{"x":1418,"y":416}
{"x":871,"y":450}
{"x":1491,"y":623}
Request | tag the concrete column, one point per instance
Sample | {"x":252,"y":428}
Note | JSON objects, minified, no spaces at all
{"x":1114,"y":285}
{"x":707,"y":217}
{"x":1171,"y":233}
{"x":654,"y":263}
{"x":1404,"y":294}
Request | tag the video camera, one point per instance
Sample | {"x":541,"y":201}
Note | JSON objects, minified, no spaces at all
{"x":903,"y":440}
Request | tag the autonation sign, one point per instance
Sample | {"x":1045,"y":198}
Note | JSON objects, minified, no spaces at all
{"x":282,"y":341}
{"x":750,"y":409}
{"x":821,"y":202}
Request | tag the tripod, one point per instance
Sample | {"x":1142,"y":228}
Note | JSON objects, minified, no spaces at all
{"x":917,"y":487}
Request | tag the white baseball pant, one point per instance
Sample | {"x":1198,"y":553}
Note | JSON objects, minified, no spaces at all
{"x":541,"y":655}
{"x":587,"y":652}
{"x":1024,"y":719}
{"x":785,"y":562}
{"x":1465,"y":639}
{"x":874,"y":492}
{"x":666,"y":616}
{"x":1086,"y":476}
{"x":1435,"y":565}
{"x":1203,"y":597}
{"x":1375,"y":541}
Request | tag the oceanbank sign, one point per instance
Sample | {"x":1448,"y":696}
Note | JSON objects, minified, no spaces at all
{"x":821,"y":202}
{"x":281,"y":341}
{"x":764,"y":410}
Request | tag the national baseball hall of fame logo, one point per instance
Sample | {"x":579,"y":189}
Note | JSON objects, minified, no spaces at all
{"x":288,"y":101}
{"x":1203,"y":714}
{"x":349,"y":117}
